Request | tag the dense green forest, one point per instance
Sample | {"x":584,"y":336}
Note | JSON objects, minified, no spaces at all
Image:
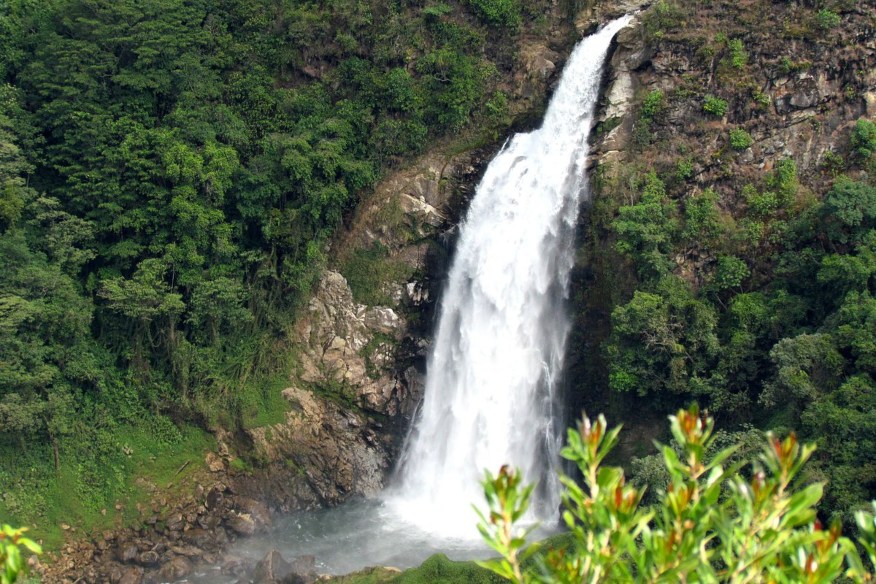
{"x":748,"y":285}
{"x":171,"y":174}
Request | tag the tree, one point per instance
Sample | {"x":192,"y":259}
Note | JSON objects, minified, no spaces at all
{"x":864,"y":138}
{"x":712,"y":523}
{"x":849,"y":210}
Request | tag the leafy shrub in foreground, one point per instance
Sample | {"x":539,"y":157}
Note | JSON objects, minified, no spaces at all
{"x":710,"y":524}
{"x":12,"y":564}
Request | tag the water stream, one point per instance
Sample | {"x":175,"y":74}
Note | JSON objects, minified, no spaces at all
{"x":492,"y":376}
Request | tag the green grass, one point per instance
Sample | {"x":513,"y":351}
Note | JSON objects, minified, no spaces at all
{"x":267,"y":406}
{"x":96,"y":471}
{"x":438,"y":569}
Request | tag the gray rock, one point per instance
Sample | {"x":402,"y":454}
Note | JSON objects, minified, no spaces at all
{"x":149,"y":558}
{"x":187,"y":550}
{"x":234,"y":566}
{"x":200,"y":538}
{"x":127,"y":552}
{"x":382,"y":319}
{"x":176,"y":569}
{"x":303,"y":571}
{"x":214,"y":498}
{"x":256,"y":510}
{"x":271,"y":569}
{"x":131,"y":575}
{"x":242,"y":524}
{"x":176,"y":522}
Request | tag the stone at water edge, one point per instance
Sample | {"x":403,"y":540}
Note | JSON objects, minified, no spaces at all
{"x":127,"y":552}
{"x":274,"y":569}
{"x":177,"y":568}
{"x":131,"y":576}
{"x":242,"y":524}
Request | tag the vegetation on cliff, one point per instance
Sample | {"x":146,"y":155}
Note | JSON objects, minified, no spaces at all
{"x":746,"y":220}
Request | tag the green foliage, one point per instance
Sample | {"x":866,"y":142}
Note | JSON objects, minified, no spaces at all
{"x":702,"y":219}
{"x":504,"y":13}
{"x":765,"y":317}
{"x":849,"y":210}
{"x":833,"y":163}
{"x":370,"y":272}
{"x":645,"y":229}
{"x":661,"y":341}
{"x":826,"y":19}
{"x":740,"y":139}
{"x":684,"y":169}
{"x":715,"y":106}
{"x":729,"y":273}
{"x":440,"y":570}
{"x":101,"y":463}
{"x":12,"y":562}
{"x":864,"y":138}
{"x":711,"y":523}
{"x":666,"y":15}
{"x":654,"y":103}
{"x":783,"y":181}
{"x":738,"y":55}
{"x":171,"y":176}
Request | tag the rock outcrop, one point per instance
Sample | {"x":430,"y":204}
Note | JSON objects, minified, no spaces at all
{"x":800,"y":108}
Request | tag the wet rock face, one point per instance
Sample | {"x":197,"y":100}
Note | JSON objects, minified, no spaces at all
{"x":632,"y":51}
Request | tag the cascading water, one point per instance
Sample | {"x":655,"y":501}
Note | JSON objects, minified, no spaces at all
{"x":501,"y":336}
{"x":498,"y":350}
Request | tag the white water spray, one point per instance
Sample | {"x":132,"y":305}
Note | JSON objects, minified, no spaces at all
{"x":491,"y":377}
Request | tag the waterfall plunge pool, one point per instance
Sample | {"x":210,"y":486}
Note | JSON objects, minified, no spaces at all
{"x":351,"y":537}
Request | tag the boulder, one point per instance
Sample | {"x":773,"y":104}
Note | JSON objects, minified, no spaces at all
{"x":176,"y":569}
{"x":214,"y":497}
{"x":257,"y":511}
{"x":214,"y":463}
{"x":303,"y":571}
{"x":127,"y":552}
{"x":149,"y":558}
{"x":132,"y":575}
{"x":234,"y":566}
{"x":175,"y":522}
{"x":382,"y":319}
{"x":242,"y":524}
{"x":200,"y":538}
{"x":271,"y":569}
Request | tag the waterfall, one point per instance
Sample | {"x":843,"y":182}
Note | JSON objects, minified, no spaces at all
{"x":492,"y":373}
